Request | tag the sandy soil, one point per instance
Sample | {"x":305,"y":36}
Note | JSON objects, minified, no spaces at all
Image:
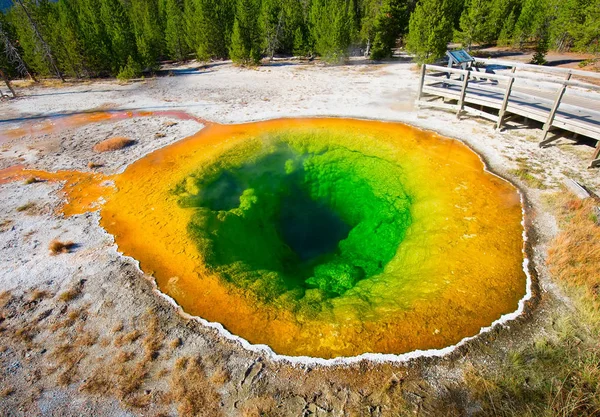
{"x":84,"y":333}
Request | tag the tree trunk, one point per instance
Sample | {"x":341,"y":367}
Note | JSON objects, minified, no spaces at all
{"x":46,"y":47}
{"x":13,"y":55}
{"x":7,"y":81}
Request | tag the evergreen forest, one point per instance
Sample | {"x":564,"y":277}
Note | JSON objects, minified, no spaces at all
{"x":126,"y":38}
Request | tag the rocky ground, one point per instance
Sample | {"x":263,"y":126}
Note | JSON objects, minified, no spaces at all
{"x":86,"y":333}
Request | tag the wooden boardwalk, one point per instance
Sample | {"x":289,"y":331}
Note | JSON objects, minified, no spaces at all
{"x":498,"y":90}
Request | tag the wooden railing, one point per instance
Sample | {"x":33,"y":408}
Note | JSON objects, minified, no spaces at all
{"x":566,"y":72}
{"x":557,"y":103}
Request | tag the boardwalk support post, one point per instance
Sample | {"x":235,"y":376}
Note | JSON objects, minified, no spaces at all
{"x":463,"y":93}
{"x":502,"y":113}
{"x":422,"y":82}
{"x":596,"y":158}
{"x":548,"y":125}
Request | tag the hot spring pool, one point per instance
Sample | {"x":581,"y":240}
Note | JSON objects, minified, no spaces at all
{"x":325,"y":237}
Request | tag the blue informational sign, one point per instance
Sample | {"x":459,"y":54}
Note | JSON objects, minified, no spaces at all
{"x":460,"y":57}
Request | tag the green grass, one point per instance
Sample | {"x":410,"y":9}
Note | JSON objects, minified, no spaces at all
{"x":526,"y":174}
{"x":554,"y":375}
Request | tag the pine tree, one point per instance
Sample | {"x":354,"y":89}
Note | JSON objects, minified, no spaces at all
{"x":175,"y":31}
{"x":147,"y":30}
{"x":502,"y":18}
{"x":131,"y":70}
{"x":532,"y":15}
{"x":11,"y":59}
{"x":67,"y":38}
{"x":94,"y":38}
{"x":32,"y":53}
{"x":541,"y":49}
{"x":588,"y":33}
{"x":506,"y":34}
{"x":430,"y":30}
{"x":37,"y":14}
{"x":246,"y":39}
{"x":118,"y":28}
{"x":215,"y":24}
{"x":273,"y":23}
{"x":8,"y":69}
{"x":474,"y":22}
{"x":390,"y":22}
{"x":454,"y":10}
{"x":369,"y":11}
{"x":110,"y":37}
{"x":296,"y":35}
{"x":568,"y":20}
{"x":300,"y":46}
{"x":192,"y":24}
{"x":333,"y":25}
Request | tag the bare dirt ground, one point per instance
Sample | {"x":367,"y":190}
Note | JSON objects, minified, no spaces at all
{"x":84,"y":333}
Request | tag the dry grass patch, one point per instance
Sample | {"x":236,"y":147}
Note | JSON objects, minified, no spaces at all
{"x":99,"y":382}
{"x":175,"y":343}
{"x":26,"y":207}
{"x":26,"y":333}
{"x":192,"y":390}
{"x":124,"y":356}
{"x":6,"y":392}
{"x":5,"y":298}
{"x":258,"y":406}
{"x":88,"y":339}
{"x":77,"y":314}
{"x":127,"y":338}
{"x":574,"y":256}
{"x":554,"y":375}
{"x":130,"y":379}
{"x":118,"y":327}
{"x":5,"y":225}
{"x":139,"y":400}
{"x":67,"y":357}
{"x":38,"y":294}
{"x":70,"y":294}
{"x":220,"y":377}
{"x":113,"y":144}
{"x":127,"y":373}
{"x":57,"y":247}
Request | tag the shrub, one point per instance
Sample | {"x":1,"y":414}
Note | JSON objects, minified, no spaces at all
{"x":26,"y":207}
{"x":57,"y":247}
{"x":132,"y":70}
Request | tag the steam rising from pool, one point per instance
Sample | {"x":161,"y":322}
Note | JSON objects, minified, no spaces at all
{"x":326,"y":237}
